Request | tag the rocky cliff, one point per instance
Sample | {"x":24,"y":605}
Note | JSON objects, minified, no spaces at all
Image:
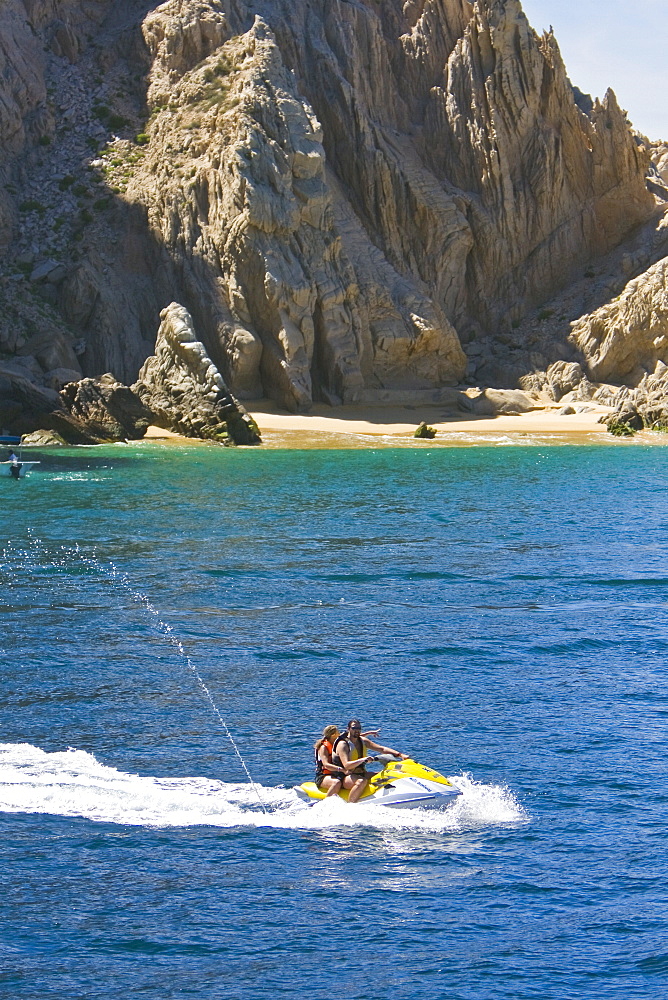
{"x":350,"y":198}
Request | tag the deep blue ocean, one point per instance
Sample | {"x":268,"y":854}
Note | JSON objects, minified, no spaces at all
{"x":499,"y":612}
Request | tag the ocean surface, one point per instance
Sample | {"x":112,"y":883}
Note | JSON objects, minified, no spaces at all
{"x":498,"y":611}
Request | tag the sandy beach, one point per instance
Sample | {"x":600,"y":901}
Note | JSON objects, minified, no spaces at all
{"x":373,"y":426}
{"x":159,"y":433}
{"x":394,"y":426}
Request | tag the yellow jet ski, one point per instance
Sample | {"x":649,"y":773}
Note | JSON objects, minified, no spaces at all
{"x":401,"y":783}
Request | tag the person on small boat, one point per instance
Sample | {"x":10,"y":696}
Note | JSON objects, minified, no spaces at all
{"x":350,"y":755}
{"x":328,"y":777}
{"x":15,"y":467}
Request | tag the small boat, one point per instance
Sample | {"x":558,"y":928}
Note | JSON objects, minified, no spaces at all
{"x":402,"y":784}
{"x":17,"y":470}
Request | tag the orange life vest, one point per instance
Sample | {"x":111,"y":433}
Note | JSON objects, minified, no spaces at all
{"x":321,"y":768}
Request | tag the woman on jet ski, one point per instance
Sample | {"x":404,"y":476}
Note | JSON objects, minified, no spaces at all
{"x":326,"y":775}
{"x":349,"y":755}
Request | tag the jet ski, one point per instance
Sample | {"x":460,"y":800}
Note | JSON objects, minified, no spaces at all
{"x":403,"y":784}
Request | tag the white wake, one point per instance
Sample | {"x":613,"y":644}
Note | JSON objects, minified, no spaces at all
{"x":73,"y":783}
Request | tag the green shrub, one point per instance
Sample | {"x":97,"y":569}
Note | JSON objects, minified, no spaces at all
{"x":117,"y":122}
{"x":141,"y":139}
{"x":423,"y":430}
{"x":45,"y":140}
{"x":66,"y":181}
{"x":621,"y":430}
{"x":545,"y":314}
{"x":32,"y":205}
{"x":109,"y":117}
{"x":224,"y":65}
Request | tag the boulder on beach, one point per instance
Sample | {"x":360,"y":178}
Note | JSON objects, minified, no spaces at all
{"x":43,"y":439}
{"x":498,"y":402}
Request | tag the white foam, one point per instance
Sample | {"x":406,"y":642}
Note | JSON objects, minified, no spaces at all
{"x":74,"y":783}
{"x":78,"y":477}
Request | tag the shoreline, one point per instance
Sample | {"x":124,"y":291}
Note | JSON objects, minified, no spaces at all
{"x":402,"y":420}
{"x":391,"y":426}
{"x":352,"y":426}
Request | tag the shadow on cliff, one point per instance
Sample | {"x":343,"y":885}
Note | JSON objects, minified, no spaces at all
{"x":120,"y":272}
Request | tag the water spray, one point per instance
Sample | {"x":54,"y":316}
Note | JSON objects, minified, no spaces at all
{"x":111,"y":572}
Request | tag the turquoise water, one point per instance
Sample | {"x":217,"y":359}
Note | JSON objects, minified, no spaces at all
{"x":500,"y":612}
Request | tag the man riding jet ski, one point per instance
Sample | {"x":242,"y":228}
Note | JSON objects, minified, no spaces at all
{"x":340,"y":770}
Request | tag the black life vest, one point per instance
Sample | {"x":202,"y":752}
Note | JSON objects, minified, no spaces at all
{"x":353,"y":752}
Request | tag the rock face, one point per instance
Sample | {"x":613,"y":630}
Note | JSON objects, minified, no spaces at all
{"x":561,"y":379}
{"x":19,"y":394}
{"x":26,"y":407}
{"x":252,"y":200}
{"x":623,"y":340}
{"x":109,"y":410}
{"x":341,"y":194}
{"x":464,"y":180}
{"x":179,"y":388}
{"x":183,"y":389}
{"x":645,"y":407}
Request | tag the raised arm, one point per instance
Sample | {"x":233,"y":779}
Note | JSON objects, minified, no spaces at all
{"x":382,"y":749}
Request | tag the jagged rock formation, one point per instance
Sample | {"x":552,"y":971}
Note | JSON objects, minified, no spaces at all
{"x":109,"y":410}
{"x":252,"y":201}
{"x":660,"y":160}
{"x":563,"y":379}
{"x":179,"y":389}
{"x":183,"y":389}
{"x":645,"y":407}
{"x":624,"y":339}
{"x":467,"y":172}
{"x":341,"y":194}
{"x":560,"y":378}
